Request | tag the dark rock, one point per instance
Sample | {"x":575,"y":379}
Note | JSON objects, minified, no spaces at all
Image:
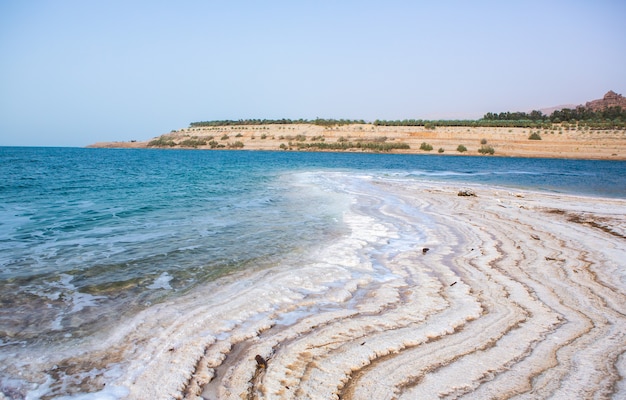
{"x":260,"y":361}
{"x":467,"y":193}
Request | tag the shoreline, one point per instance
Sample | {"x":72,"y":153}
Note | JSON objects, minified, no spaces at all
{"x":520,"y":292}
{"x":506,"y":142}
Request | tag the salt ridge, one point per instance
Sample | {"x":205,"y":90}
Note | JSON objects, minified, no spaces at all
{"x":514,"y":299}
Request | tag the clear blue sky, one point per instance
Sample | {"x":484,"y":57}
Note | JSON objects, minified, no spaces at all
{"x":77,"y":72}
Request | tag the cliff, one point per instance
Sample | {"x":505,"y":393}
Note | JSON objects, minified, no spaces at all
{"x":611,"y":99}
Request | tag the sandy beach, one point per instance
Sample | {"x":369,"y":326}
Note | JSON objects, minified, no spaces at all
{"x":507,"y":142}
{"x":430,"y":295}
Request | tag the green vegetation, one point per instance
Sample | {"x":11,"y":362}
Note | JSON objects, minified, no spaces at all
{"x":162,"y":141}
{"x":426,"y":147}
{"x":347,"y":145}
{"x":608,"y":118}
{"x":461,"y":149}
{"x":534,"y":136}
{"x":236,"y":145}
{"x":486,"y":149}
{"x":284,"y":121}
{"x":193,"y":142}
{"x":441,"y":150}
{"x":581,"y":117}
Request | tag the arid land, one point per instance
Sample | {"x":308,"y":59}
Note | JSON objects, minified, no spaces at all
{"x":556,"y":142}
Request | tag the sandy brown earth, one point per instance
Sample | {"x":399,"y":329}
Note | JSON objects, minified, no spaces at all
{"x":509,"y":142}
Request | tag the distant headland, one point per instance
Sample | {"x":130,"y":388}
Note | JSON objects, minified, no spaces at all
{"x":596,"y":130}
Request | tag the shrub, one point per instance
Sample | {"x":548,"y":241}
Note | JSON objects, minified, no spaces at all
{"x":264,"y":136}
{"x":238,"y":135}
{"x":534,"y":136}
{"x":193,"y":143}
{"x":441,"y":150}
{"x":461,"y":148}
{"x":484,"y":149}
{"x":483,"y":141}
{"x":236,"y":145}
{"x":283,"y":146}
{"x":225,"y":137}
{"x":162,"y":142}
{"x":426,"y":147}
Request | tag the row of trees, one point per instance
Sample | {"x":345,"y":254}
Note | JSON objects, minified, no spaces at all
{"x":579,"y":113}
{"x":432,"y":124}
{"x":346,"y":145}
{"x":608,"y":118}
{"x":284,"y":121}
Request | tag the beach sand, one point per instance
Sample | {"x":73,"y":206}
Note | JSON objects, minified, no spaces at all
{"x":429,"y":295}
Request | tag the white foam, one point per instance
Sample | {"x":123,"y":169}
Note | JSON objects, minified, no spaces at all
{"x":162,"y":282}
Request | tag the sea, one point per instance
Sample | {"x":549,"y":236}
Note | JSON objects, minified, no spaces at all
{"x":91,"y":237}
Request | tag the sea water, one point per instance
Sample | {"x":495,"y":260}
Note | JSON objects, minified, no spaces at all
{"x":91,"y":237}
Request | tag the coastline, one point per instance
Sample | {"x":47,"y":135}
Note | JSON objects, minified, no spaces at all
{"x":507,"y":142}
{"x":520,"y":293}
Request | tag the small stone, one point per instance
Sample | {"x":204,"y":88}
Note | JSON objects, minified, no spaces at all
{"x":467,"y":193}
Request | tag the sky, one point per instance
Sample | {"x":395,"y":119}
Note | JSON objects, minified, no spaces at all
{"x":75,"y":72}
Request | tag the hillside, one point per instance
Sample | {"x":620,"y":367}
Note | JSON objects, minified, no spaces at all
{"x":560,"y":141}
{"x":594,"y":131}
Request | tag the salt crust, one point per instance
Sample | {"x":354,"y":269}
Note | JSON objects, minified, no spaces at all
{"x":513,"y":299}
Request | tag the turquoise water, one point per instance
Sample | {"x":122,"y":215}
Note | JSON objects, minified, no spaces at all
{"x":89,"y":236}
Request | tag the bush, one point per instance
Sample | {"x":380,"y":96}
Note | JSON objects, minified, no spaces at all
{"x":162,"y":142}
{"x":483,"y":141}
{"x":193,"y":143}
{"x":441,"y":150}
{"x":225,"y":137}
{"x":461,"y":148}
{"x":426,"y":147}
{"x":534,"y":136}
{"x":484,"y":149}
{"x":236,"y":145}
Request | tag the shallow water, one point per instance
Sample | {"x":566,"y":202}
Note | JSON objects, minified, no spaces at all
{"x":91,"y":237}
